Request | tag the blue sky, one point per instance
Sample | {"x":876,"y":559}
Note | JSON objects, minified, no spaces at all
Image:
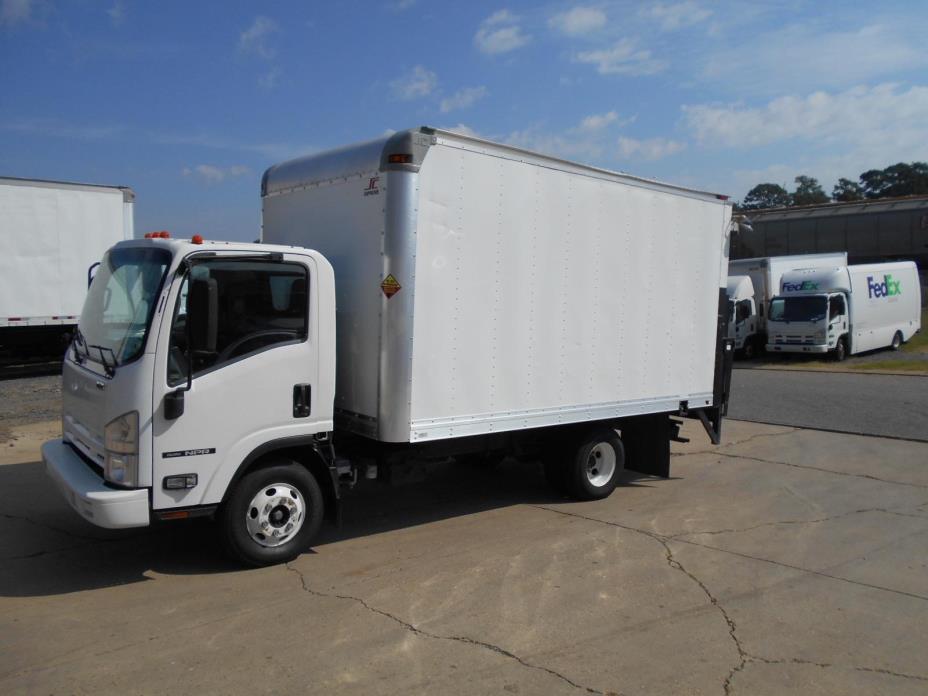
{"x":189,"y":102}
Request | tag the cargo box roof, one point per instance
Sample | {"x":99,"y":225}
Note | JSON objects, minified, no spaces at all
{"x":361,"y":158}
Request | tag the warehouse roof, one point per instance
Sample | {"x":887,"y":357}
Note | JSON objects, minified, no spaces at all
{"x":883,"y":205}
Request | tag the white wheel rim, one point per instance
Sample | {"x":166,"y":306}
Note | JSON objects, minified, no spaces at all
{"x":600,"y":465}
{"x":275,"y":515}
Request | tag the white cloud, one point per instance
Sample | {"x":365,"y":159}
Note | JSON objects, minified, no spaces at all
{"x":117,"y":13}
{"x":255,"y":38}
{"x":212,"y":174}
{"x":649,"y":149}
{"x":269,"y":79}
{"x":826,"y":135}
{"x":463,"y":98}
{"x":463,"y":129}
{"x":884,"y":114}
{"x":500,"y":33}
{"x":417,"y":83}
{"x":598,"y":122}
{"x":16,"y":11}
{"x":676,"y":16}
{"x":805,"y":57}
{"x":578,"y":21}
{"x":624,"y":58}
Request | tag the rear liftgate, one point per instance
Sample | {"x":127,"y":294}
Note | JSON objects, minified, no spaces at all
{"x":647,"y":438}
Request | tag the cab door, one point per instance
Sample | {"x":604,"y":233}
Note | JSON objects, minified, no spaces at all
{"x":253,"y":386}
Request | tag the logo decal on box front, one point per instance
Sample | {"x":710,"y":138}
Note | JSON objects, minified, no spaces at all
{"x":390,"y":286}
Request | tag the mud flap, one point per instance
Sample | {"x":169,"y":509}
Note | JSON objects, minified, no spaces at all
{"x":647,"y":443}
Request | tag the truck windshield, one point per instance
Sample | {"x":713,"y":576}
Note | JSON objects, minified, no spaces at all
{"x":120,"y":303}
{"x":808,"y":308}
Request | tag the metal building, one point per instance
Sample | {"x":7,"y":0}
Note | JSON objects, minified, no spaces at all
{"x":869,"y":231}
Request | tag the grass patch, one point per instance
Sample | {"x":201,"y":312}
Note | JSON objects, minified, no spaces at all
{"x":894,"y":365}
{"x":919,"y":342}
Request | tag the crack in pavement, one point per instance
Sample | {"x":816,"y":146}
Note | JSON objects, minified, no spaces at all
{"x":680,"y":535}
{"x":801,"y":569}
{"x":750,"y":438}
{"x":822,"y":469}
{"x":744,"y":656}
{"x":435,"y":636}
{"x":826,"y":665}
{"x":677,"y":565}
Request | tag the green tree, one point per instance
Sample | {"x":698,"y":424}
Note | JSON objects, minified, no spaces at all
{"x":766,"y":196}
{"x":808,"y":191}
{"x":900,"y":179}
{"x":846,"y":190}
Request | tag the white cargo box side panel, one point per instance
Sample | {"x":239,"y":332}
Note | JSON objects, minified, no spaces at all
{"x":337,"y":219}
{"x":545,"y":296}
{"x":877,"y":316}
{"x":50,"y":237}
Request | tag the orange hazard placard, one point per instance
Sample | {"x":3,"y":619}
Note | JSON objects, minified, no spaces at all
{"x":390,"y":286}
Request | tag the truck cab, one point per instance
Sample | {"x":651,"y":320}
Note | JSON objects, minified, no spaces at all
{"x":193,"y":361}
{"x":810,"y":314}
{"x":743,"y":320}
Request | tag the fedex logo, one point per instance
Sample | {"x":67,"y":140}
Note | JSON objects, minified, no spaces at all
{"x":888,"y":288}
{"x":805,"y":285}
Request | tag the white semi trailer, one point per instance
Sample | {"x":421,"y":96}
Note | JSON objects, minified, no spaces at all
{"x":748,"y":327}
{"x":846,"y":309}
{"x":420,"y":296}
{"x":51,"y":232}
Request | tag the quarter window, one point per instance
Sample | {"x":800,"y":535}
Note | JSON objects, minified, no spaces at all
{"x":262,"y":305}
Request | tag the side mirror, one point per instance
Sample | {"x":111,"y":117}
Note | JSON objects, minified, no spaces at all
{"x":174,"y":404}
{"x":202,"y":315}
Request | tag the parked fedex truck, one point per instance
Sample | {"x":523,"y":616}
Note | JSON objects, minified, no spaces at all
{"x":422,"y":296}
{"x":51,"y":232}
{"x":748,"y":324}
{"x":845,"y":310}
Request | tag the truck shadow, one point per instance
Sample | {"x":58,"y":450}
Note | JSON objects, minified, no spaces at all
{"x":47,"y":550}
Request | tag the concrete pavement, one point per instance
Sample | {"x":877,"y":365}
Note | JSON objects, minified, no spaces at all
{"x":785,"y":561}
{"x":887,"y":405}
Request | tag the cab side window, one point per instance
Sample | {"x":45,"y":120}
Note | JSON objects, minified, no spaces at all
{"x":261,"y":305}
{"x":836,"y":306}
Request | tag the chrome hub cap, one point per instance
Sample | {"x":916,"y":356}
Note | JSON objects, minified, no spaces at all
{"x":600,"y":466}
{"x":275,"y":515}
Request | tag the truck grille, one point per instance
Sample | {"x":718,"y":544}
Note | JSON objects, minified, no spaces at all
{"x":794,"y":340}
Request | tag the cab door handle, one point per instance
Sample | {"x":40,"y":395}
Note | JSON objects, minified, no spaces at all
{"x":302,"y":398}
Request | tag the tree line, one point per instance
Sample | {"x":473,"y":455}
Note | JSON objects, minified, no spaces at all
{"x":897,"y":180}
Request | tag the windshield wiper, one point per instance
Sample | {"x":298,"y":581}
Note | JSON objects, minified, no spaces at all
{"x":79,"y":340}
{"x":110,"y":369}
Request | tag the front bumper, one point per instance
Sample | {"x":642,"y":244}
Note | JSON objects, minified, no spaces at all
{"x":87,"y":494}
{"x":796,"y":348}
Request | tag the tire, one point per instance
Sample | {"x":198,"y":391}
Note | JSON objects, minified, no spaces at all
{"x":840,"y":352}
{"x":897,"y":341}
{"x":597,"y":463}
{"x":749,"y":351}
{"x":268,"y":500}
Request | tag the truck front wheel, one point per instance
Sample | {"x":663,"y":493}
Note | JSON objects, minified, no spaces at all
{"x":272,"y":515}
{"x":840,"y":352}
{"x":598,"y":462}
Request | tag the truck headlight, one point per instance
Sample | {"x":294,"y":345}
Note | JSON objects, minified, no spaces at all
{"x":820,"y":335}
{"x":121,"y":444}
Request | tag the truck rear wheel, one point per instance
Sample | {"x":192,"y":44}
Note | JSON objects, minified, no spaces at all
{"x":598,"y":461}
{"x":272,"y":515}
{"x":897,"y":341}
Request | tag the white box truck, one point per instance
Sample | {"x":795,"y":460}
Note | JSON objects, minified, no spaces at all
{"x":51,"y":233}
{"x":419,"y":297}
{"x":845,"y":310}
{"x":748,"y":323}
